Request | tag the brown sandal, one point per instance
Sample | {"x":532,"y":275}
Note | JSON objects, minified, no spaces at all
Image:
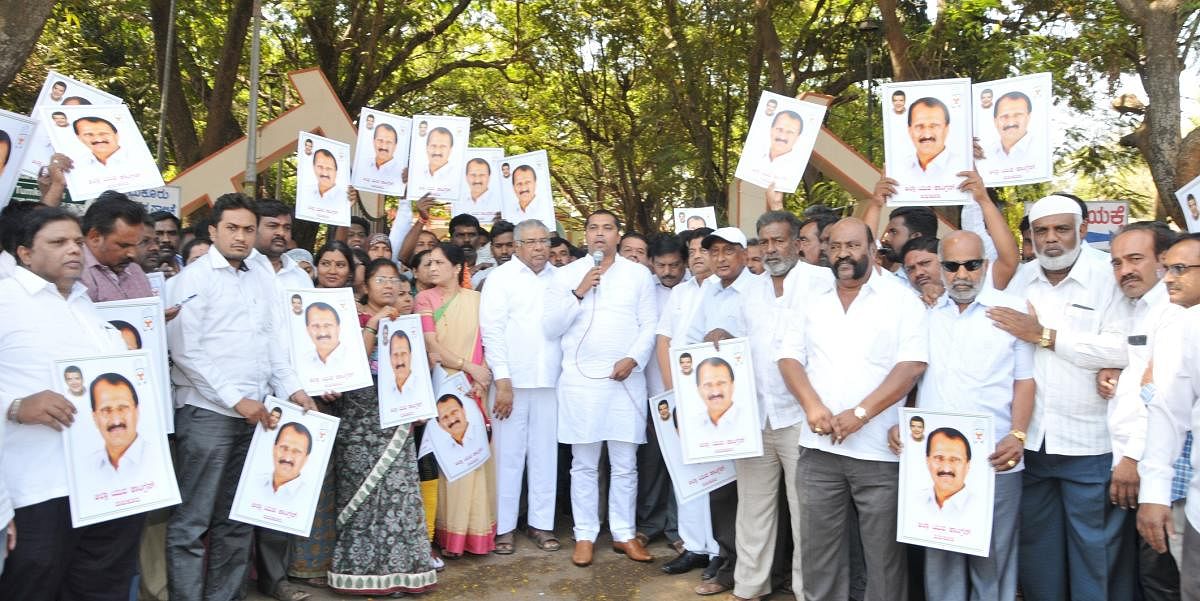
{"x":545,"y":541}
{"x":504,"y":544}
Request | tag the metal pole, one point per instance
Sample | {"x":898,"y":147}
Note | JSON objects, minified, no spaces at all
{"x":164,"y":86}
{"x":248,"y":184}
{"x":870,"y":104}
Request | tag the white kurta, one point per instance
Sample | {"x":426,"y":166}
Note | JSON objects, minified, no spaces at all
{"x":613,"y":321}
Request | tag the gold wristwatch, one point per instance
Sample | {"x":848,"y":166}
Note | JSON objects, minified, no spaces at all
{"x":1047,"y":339}
{"x":1019,"y":435}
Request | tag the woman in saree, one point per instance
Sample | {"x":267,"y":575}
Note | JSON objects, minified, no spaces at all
{"x":466,"y":508}
{"x":382,"y":547}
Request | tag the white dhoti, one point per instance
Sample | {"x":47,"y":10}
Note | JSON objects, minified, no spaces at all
{"x":526,"y":442}
{"x":695,"y":526}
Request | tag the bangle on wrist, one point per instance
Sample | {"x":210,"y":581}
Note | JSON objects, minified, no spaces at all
{"x":14,"y":411}
{"x":370,"y":329}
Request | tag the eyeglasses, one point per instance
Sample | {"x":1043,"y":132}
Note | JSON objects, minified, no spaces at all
{"x":1179,"y":269}
{"x":953,"y":266}
{"x":379,"y":279}
{"x":536,"y":241}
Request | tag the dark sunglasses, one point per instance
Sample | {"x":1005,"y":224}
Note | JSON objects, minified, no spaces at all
{"x":953,"y":266}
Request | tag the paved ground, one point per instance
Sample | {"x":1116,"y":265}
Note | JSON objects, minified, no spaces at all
{"x":530,"y":574}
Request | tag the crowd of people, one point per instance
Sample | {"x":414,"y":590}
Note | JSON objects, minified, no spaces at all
{"x":1086,"y":361}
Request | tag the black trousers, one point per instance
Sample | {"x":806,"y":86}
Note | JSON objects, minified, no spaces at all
{"x":656,"y":511}
{"x":272,"y":555}
{"x":55,"y":562}
{"x":722,"y":504}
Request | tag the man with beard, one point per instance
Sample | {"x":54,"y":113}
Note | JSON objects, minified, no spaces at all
{"x":1068,"y":452}
{"x":281,"y":488}
{"x":271,"y":243}
{"x":166,"y":231}
{"x":976,"y":367}
{"x":525,"y":365}
{"x":113,"y":227}
{"x":382,"y":169}
{"x":924,"y":273}
{"x":848,"y":390}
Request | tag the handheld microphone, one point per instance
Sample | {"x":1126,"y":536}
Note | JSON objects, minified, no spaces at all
{"x":597,"y":257}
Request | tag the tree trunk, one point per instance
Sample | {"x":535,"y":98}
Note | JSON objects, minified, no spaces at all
{"x":898,"y":44}
{"x":21,"y":23}
{"x":768,"y":39}
{"x":221,"y":127}
{"x":180,"y":123}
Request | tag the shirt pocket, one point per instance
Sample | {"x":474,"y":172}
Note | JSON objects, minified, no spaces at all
{"x":1078,"y":317}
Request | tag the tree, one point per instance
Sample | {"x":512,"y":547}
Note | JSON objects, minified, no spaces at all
{"x":19,"y":31}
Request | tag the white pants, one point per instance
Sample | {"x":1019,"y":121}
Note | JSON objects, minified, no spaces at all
{"x":622,"y":490}
{"x":527,"y":440}
{"x":695,"y":526}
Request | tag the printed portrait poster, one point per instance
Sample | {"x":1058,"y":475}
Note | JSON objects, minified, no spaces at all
{"x":934,"y":145}
{"x":118,"y":462}
{"x":718,"y":407}
{"x":405,"y":388}
{"x":481,"y":188}
{"x":528,"y":195}
{"x":1189,"y":200}
{"x":381,"y":152}
{"x":57,"y":90}
{"x":16,"y":133}
{"x":437,"y":155}
{"x":690,"y":480}
{"x":1012,"y":122}
{"x":779,"y":142}
{"x":326,"y":340}
{"x":458,"y":438}
{"x":946,"y":482}
{"x":694,"y":218}
{"x":285,"y":466}
{"x":143,"y":326}
{"x":322,"y":174}
{"x":106,"y":146}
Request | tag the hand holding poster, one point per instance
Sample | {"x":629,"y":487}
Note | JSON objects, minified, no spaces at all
{"x":1012,"y":123}
{"x":143,"y":326}
{"x":106,"y":147}
{"x":528,"y":196}
{"x":689,"y":481}
{"x":405,"y":390}
{"x":946,"y":482}
{"x":717,"y":402}
{"x":381,"y":153}
{"x":927,"y":140}
{"x":481,"y":195}
{"x":118,"y":462}
{"x":281,"y":479}
{"x":695,"y":218}
{"x":1188,"y":201}
{"x":459,"y":438}
{"x":16,"y":133}
{"x":57,"y":90}
{"x":437,"y":155}
{"x":322,"y":174}
{"x":779,"y":142}
{"x":327,"y":347}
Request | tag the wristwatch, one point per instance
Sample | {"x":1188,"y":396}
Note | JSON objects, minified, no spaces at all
{"x":1047,"y":339}
{"x":861,"y":413}
{"x":1019,"y":435}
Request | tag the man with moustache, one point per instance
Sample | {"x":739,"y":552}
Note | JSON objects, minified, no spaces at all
{"x":813,"y":240}
{"x":113,"y":227}
{"x":281,"y":487}
{"x":635,"y":247}
{"x":897,"y":118}
{"x":928,"y":128}
{"x":948,"y":460}
{"x":847,"y":390}
{"x":780,"y":163}
{"x":226,"y":357}
{"x":324,"y":327}
{"x":383,"y":169}
{"x":465,"y":437}
{"x":721,"y":419}
{"x":1068,"y":450}
{"x":603,"y":315}
{"x":904,"y":224}
{"x":99,"y":136}
{"x":439,"y":144}
{"x":560,"y":251}
{"x":326,"y":190}
{"x":754,"y":257}
{"x":524,"y":203}
{"x":525,"y":365}
{"x":922,"y":268}
{"x":400,"y":354}
{"x":975,"y":367}
{"x":166,"y":232}
{"x":1013,"y":145}
{"x":481,"y":199}
{"x":121,"y":461}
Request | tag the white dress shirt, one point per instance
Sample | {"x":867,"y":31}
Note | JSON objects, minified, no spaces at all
{"x":510,"y":322}
{"x":1069,"y":416}
{"x":134,"y":469}
{"x":972,"y":363}
{"x":675,"y":318}
{"x":439,"y":183}
{"x":536,"y":209}
{"x":721,"y":307}
{"x":942,"y":169}
{"x":290,"y":496}
{"x":613,"y":321}
{"x":654,"y":379}
{"x":1145,"y":319}
{"x":225,"y":343}
{"x":8,"y":264}
{"x":387,"y":176}
{"x":851,"y":351}
{"x":336,"y":366}
{"x":1001,"y":165}
{"x":483,"y":208}
{"x":41,"y":326}
{"x":784,"y":170}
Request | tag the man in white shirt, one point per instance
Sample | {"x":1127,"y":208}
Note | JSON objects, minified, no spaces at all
{"x":328,"y":358}
{"x":439,"y":145}
{"x":976,"y":367}
{"x":853,"y":352}
{"x":929,"y":128}
{"x":481,"y":200}
{"x":383,"y":170}
{"x":948,"y":461}
{"x":51,"y":317}
{"x":525,"y":365}
{"x":604,"y":316}
{"x":781,"y":164}
{"x":524,"y":203}
{"x":897,"y":119}
{"x":462,"y":439}
{"x":114,"y":405}
{"x":282,"y":487}
{"x":1065,"y":507}
{"x":99,"y":136}
{"x":73,"y":377}
{"x":227,"y":358}
{"x":1011,"y":118}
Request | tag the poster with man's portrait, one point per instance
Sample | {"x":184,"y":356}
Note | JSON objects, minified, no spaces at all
{"x":1012,"y":123}
{"x":946,"y":482}
{"x":690,"y":480}
{"x":718,"y":406}
{"x":458,"y":438}
{"x":322,"y":174}
{"x":285,"y":466}
{"x":327,"y":347}
{"x":381,"y":153}
{"x":16,"y":133}
{"x":694,"y":218}
{"x":481,"y":189}
{"x":143,"y":326}
{"x":779,"y":142}
{"x":1189,"y":200}
{"x":928,"y":143}
{"x":118,"y":462}
{"x":57,"y":90}
{"x":405,"y":389}
{"x":528,"y":195}
{"x":104,"y":143}
{"x":437,"y":156}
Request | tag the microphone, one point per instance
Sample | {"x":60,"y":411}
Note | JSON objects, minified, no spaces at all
{"x":597,"y":257}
